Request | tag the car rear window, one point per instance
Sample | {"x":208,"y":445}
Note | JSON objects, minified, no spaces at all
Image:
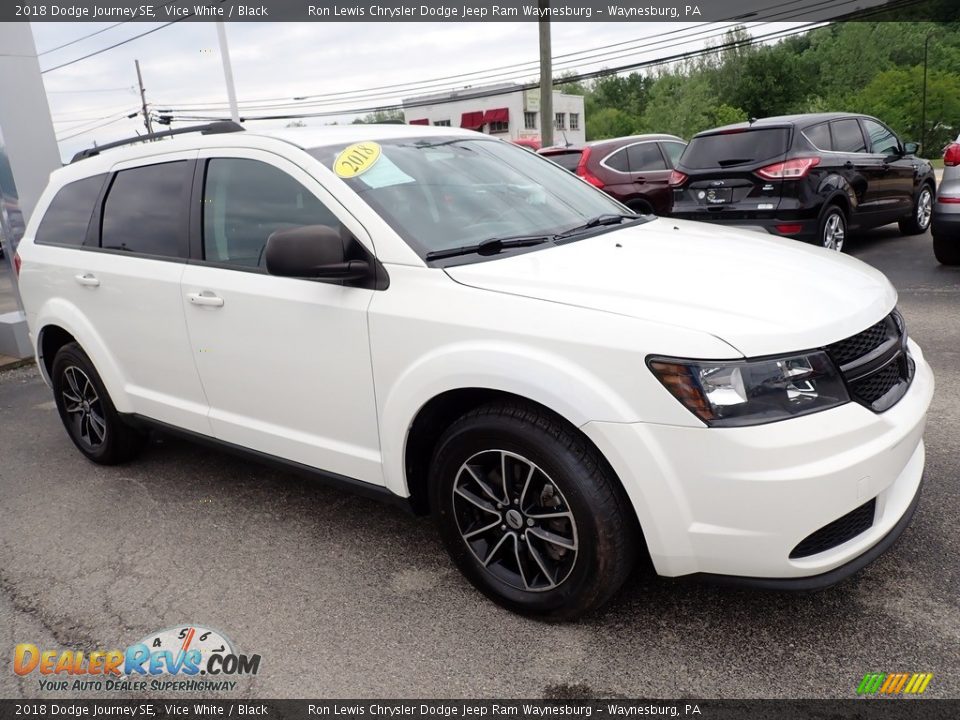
{"x":66,"y":220}
{"x":568,"y":160}
{"x":739,"y":147}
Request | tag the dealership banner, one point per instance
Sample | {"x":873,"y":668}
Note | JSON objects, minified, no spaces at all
{"x":170,"y":11}
{"x":195,"y":709}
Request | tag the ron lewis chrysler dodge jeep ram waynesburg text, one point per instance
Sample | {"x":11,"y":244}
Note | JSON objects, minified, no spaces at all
{"x":442,"y":318}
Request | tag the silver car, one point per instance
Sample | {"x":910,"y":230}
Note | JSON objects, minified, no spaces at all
{"x":946,"y":210}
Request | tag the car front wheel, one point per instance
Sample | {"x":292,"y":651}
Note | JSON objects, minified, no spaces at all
{"x":530,"y":513}
{"x":919,"y":219}
{"x":946,"y":250}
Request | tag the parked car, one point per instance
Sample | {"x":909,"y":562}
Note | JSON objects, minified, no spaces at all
{"x":946,"y":211}
{"x":529,"y":143}
{"x":635,"y":170}
{"x":437,"y":318}
{"x":810,"y":177}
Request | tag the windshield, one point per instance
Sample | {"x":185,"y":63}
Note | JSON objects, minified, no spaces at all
{"x":440,"y":193}
{"x":735,"y":148}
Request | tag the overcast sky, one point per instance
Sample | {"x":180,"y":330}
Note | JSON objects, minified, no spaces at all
{"x":278,"y":62}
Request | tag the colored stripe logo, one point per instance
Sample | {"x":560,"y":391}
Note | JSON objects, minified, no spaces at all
{"x":894,"y":683}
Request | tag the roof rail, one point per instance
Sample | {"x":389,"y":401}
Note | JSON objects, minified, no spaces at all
{"x":214,"y":128}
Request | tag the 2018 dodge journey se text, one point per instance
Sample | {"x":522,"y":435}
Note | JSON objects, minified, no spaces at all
{"x":444,"y":319}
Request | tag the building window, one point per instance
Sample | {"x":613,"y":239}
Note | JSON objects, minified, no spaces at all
{"x":574,"y":121}
{"x":560,"y":121}
{"x":499,"y":127}
{"x":442,"y":123}
{"x":530,"y":121}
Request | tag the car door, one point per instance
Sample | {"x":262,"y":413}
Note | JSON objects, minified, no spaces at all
{"x":897,"y":186}
{"x":127,"y":285}
{"x":284,"y":362}
{"x":863,"y":171}
{"x":650,"y":174}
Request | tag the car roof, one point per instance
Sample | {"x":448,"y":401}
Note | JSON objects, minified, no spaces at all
{"x":801,"y":120}
{"x":302,"y":137}
{"x":626,"y":140}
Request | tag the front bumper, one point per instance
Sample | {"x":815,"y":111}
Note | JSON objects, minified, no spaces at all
{"x":737,"y":501}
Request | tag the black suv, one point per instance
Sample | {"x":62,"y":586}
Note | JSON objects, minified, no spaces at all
{"x":809,"y":177}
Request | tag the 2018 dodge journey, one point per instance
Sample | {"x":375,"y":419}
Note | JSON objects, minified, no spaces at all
{"x":447,"y":320}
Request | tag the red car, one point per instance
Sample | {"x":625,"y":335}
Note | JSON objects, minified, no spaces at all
{"x":635,"y":170}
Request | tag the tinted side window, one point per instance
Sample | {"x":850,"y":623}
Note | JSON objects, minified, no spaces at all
{"x":847,"y":136}
{"x":145,"y":209}
{"x":618,"y":161}
{"x":882,"y":141}
{"x":645,"y":156}
{"x":819,"y":135}
{"x":66,"y":220}
{"x":247,"y":200}
{"x":673,"y":150}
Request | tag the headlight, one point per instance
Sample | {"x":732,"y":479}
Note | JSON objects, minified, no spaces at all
{"x":752,"y":392}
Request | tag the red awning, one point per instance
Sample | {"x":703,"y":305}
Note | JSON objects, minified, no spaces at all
{"x":497,"y":115}
{"x":422,"y":121}
{"x":472,"y":120}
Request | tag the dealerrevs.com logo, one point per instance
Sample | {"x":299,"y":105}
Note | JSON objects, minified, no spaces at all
{"x":186,"y":658}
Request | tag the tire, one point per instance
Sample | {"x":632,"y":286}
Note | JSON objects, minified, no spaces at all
{"x":832,"y":229}
{"x":87,"y":413}
{"x":559,"y":567}
{"x":919,"y":220}
{"x":947,"y":250}
{"x":641,"y":207}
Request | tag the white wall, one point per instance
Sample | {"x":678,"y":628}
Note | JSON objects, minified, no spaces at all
{"x":453,"y":108}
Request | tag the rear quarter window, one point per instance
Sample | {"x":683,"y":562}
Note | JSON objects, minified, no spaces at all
{"x":66,"y":219}
{"x":730,"y":149}
{"x":819,"y":135}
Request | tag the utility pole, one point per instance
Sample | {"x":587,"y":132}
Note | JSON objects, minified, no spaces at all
{"x":546,"y":76}
{"x":228,"y":71}
{"x":923,"y":104}
{"x":143,"y":100}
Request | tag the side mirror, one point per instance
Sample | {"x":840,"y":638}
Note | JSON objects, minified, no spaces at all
{"x":911,"y":148}
{"x":312,"y":251}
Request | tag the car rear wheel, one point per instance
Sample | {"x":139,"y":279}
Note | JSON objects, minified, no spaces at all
{"x":947,"y":250}
{"x":919,"y":220}
{"x":530,"y":513}
{"x":87,"y":412}
{"x":833,"y":229}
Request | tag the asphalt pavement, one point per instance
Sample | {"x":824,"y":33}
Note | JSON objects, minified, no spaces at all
{"x":345,"y":597}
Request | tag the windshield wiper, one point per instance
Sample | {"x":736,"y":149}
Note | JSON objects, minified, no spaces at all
{"x":491,"y":246}
{"x":599,"y":220}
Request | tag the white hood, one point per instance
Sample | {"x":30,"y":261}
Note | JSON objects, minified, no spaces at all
{"x":761,"y":294}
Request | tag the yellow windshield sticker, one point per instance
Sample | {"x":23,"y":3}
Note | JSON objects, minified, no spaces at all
{"x":356,"y":159}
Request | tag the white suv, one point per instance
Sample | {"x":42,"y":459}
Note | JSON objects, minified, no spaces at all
{"x":437,"y":317}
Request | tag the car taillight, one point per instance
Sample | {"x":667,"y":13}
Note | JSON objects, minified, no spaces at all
{"x":788,"y":170}
{"x":948,"y":200}
{"x":789,"y":228}
{"x":17,"y":262}
{"x":951,"y":155}
{"x":677,"y":178}
{"x":586,"y":174}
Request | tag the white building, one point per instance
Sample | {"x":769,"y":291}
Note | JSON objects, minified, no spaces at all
{"x":502,"y":110}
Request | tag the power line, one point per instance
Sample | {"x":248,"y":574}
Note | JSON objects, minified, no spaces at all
{"x":780,"y":34}
{"x":81,"y":39}
{"x":88,"y":130}
{"x":589,"y":57}
{"x":115,"y":45}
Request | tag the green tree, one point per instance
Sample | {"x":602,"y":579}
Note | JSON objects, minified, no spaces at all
{"x":610,"y":122}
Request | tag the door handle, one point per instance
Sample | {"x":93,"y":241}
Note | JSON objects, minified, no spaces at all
{"x":87,"y":280}
{"x":205,"y":298}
